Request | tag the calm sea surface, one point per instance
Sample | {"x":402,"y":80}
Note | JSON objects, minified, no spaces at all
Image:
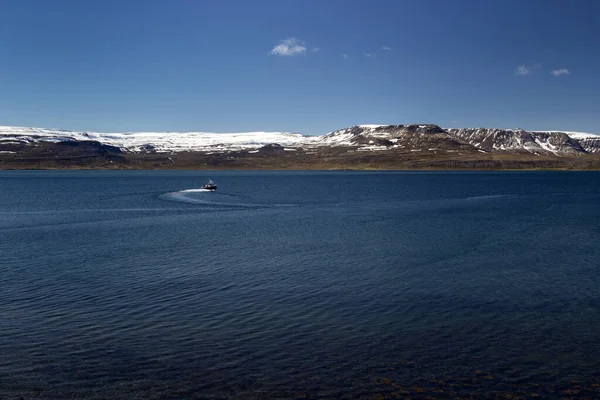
{"x":133,"y":285}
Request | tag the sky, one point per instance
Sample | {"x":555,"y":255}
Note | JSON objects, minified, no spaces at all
{"x":308,"y":66}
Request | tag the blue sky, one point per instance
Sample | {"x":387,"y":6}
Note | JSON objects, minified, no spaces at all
{"x":299,"y":66}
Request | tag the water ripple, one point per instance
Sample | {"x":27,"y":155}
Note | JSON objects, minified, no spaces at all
{"x":342,"y":294}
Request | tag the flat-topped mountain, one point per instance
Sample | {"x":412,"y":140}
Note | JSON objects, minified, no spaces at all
{"x":374,"y":137}
{"x":154,"y":141}
{"x":519,"y":140}
{"x":372,"y":146}
{"x":383,"y":137}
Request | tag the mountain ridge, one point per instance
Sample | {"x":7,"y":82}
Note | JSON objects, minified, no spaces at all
{"x":410,"y":146}
{"x":488,"y":139}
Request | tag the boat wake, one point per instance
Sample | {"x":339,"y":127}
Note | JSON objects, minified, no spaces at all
{"x":195,"y":191}
{"x":212,"y":199}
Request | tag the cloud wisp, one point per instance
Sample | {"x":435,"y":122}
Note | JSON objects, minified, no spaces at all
{"x":289,"y":47}
{"x":294,"y":47}
{"x":523,"y":70}
{"x":559,"y":72}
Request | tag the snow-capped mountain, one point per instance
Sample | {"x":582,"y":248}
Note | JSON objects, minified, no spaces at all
{"x":432,"y":137}
{"x":590,"y":144}
{"x":407,"y":138}
{"x":156,"y":141}
{"x":384,"y":137}
{"x":518,"y":140}
{"x":589,"y":141}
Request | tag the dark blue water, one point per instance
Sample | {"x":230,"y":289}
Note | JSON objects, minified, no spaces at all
{"x":132,"y":285}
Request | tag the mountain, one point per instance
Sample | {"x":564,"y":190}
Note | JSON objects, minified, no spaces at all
{"x":486,"y":140}
{"x":424,"y":137}
{"x":412,"y":146}
{"x":519,"y":140}
{"x":385,"y":137}
{"x":590,"y":142}
{"x":154,"y":141}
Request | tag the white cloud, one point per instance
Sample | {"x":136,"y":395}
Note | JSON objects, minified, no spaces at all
{"x":289,"y":47}
{"x":523,"y":70}
{"x":315,"y":49}
{"x":559,"y":72}
{"x":369,"y":55}
{"x":386,"y":48}
{"x":345,"y":56}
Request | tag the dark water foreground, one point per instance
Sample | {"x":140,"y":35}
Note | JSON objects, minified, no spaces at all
{"x":133,"y":285}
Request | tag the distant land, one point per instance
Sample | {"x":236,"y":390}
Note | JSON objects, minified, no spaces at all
{"x":361,"y":147}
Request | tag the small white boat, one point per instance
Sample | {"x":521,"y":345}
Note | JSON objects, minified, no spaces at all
{"x":210,"y":185}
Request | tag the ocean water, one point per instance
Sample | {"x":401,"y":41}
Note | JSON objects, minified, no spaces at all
{"x":288,"y":285}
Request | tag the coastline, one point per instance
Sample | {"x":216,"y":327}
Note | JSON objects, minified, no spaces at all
{"x":324,"y":161}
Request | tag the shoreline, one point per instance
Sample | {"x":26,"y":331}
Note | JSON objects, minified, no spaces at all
{"x":595,"y":169}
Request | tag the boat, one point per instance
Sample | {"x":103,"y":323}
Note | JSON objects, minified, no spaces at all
{"x":210,"y":185}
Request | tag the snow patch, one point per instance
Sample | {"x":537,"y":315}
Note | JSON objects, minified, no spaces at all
{"x":371,"y":126}
{"x":372,"y":148}
{"x":574,"y":135}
